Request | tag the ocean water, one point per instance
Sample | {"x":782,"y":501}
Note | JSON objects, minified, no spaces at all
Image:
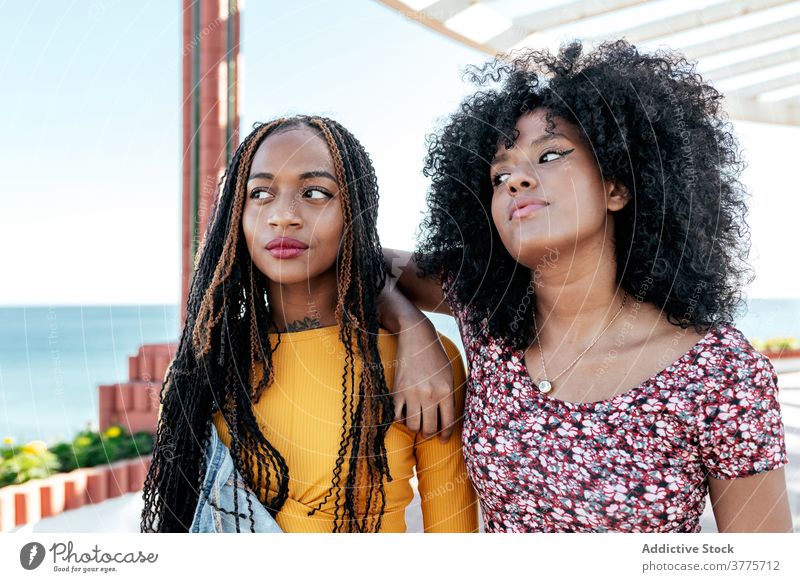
{"x":52,"y":359}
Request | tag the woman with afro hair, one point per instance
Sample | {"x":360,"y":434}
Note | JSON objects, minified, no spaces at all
{"x":586,"y":228}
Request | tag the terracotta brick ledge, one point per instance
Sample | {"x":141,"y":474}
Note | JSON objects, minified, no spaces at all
{"x":779,"y":354}
{"x":40,"y":498}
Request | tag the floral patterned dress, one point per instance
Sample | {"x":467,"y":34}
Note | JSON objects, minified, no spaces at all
{"x":636,"y":462}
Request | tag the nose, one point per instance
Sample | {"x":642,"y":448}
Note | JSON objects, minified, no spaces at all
{"x":520,"y":182}
{"x":283,"y":212}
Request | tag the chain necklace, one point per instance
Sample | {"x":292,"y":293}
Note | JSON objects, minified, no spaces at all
{"x":546,"y":385}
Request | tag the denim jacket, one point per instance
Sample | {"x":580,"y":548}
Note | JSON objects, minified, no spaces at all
{"x":218,"y":486}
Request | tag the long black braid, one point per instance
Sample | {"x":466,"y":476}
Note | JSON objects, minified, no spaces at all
{"x":224,"y":339}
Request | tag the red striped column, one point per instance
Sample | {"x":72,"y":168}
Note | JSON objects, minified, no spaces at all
{"x":210,"y":116}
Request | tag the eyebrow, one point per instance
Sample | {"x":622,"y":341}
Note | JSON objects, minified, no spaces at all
{"x":303,"y":176}
{"x":538,"y":141}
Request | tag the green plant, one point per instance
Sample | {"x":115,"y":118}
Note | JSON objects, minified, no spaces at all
{"x":88,"y":449}
{"x":32,"y":461}
{"x":777,"y":344}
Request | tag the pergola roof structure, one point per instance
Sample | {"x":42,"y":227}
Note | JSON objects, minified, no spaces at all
{"x":748,"y":49}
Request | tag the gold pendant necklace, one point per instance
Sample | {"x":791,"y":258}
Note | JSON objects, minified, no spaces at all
{"x":546,"y":385}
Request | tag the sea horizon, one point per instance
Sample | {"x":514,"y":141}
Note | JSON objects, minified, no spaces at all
{"x":53,"y":357}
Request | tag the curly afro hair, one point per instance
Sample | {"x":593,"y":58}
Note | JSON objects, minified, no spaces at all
{"x":682,"y":241}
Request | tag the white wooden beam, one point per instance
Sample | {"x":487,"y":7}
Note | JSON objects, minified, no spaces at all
{"x":570,"y":13}
{"x":748,"y":109}
{"x":743,"y":39}
{"x":740,"y":104}
{"x":756,"y":89}
{"x":755,"y":64}
{"x":784,"y":93}
{"x":563,"y":15}
{"x":712,"y":14}
{"x":446,"y":9}
{"x":437,"y":24}
{"x":508,"y":38}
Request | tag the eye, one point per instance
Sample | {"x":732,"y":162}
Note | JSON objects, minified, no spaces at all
{"x":553,"y":155}
{"x":260,"y":194}
{"x":317,"y":194}
{"x":500,"y":178}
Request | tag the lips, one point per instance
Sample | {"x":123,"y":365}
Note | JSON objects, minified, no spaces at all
{"x":522,"y":207}
{"x":285,"y":247}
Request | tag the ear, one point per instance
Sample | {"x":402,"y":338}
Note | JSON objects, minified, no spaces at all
{"x":617,"y":196}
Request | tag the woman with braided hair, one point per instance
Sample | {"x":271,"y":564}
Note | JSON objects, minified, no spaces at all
{"x":276,"y":413}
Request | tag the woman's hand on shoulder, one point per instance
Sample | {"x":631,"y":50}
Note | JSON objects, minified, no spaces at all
{"x":423,"y":381}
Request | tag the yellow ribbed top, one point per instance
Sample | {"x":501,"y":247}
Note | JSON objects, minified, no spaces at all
{"x":300,"y":413}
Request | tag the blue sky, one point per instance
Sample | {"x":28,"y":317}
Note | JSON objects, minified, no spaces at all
{"x":90,"y":135}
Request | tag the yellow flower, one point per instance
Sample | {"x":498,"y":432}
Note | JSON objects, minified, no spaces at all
{"x":35,"y":448}
{"x":8,"y":441}
{"x":113,"y":432}
{"x":83,"y":441}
